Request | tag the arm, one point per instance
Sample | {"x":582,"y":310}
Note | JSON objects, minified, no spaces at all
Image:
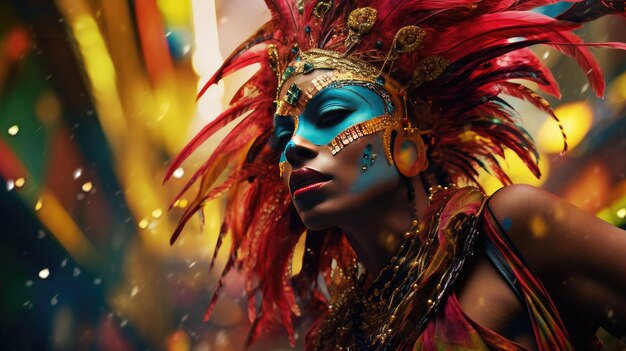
{"x":580,"y":259}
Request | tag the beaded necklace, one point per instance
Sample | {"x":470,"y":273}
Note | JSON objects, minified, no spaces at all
{"x":394,"y":310}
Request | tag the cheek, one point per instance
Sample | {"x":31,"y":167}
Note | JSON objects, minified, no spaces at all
{"x":378,"y":172}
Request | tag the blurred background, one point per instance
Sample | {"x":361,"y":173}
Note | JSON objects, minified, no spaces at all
{"x":97,"y":96}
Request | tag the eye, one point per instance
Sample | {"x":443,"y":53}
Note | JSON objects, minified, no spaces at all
{"x":333,"y":116}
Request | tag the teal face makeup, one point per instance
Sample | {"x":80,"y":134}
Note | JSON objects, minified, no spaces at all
{"x":333,"y":139}
{"x":372,"y":173}
{"x":329,"y":113}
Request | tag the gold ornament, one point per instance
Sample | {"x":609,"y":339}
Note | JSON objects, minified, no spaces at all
{"x":360,"y":22}
{"x":428,"y":69}
{"x":321,"y":8}
{"x":409,"y":153}
{"x":408,"y":39}
{"x":351,"y":134}
{"x":341,"y":68}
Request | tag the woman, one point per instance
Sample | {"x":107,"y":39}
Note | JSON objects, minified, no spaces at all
{"x":362,"y":118}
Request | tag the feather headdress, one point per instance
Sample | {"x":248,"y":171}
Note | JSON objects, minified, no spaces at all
{"x":468,"y":55}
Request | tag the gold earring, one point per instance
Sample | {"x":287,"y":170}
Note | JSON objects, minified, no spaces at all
{"x":409,"y":152}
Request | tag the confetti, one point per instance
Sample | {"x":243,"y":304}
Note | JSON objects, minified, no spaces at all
{"x":19,"y":182}
{"x":134,"y":291}
{"x":44,"y":273}
{"x":54,"y":300}
{"x":77,"y":173}
{"x":621,"y":213}
{"x":10,"y":184}
{"x":143,"y":224}
{"x":584,"y":88}
{"x":157,"y":213}
{"x":38,"y":205}
{"x":178,"y":173}
{"x":87,"y":186}
{"x":538,"y":227}
{"x":14,"y":129}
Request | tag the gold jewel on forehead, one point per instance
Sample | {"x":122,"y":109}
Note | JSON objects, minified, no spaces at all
{"x":293,"y":94}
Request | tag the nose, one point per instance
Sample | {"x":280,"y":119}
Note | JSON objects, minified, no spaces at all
{"x":299,"y":150}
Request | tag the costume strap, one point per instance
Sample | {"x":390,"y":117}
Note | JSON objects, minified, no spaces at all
{"x":550,"y":332}
{"x":498,"y":260}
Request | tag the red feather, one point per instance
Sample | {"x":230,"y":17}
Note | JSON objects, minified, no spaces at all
{"x":219,"y":122}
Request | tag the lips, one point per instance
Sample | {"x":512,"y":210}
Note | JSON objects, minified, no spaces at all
{"x":306,"y":180}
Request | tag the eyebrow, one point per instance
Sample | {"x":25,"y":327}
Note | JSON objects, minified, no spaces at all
{"x":334,"y":87}
{"x":361,"y":96}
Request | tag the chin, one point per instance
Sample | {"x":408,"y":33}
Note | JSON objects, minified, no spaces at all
{"x":334,"y":212}
{"x":313,"y":219}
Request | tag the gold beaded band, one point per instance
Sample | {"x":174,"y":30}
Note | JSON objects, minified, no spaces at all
{"x":351,"y":134}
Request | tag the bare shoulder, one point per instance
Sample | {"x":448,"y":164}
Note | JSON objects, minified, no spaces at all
{"x":580,"y":258}
{"x":551,"y":232}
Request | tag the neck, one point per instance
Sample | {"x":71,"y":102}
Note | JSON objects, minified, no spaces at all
{"x":378,"y":232}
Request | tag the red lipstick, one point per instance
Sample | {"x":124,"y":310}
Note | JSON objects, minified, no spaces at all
{"x":306,"y":180}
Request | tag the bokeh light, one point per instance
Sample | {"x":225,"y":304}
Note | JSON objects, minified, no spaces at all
{"x":576,"y":119}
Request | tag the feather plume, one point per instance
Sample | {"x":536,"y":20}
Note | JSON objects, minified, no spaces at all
{"x":487,"y":44}
{"x":585,"y":11}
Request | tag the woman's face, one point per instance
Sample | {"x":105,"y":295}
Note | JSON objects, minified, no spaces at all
{"x":328,"y":189}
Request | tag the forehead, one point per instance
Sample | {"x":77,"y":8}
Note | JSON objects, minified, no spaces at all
{"x":304,"y":81}
{"x":300,"y":88}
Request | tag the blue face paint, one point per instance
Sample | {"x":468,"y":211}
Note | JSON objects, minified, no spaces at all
{"x":331,"y":111}
{"x":378,"y":172}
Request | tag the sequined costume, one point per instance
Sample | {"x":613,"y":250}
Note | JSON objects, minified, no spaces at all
{"x":441,"y":69}
{"x":413,"y":295}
